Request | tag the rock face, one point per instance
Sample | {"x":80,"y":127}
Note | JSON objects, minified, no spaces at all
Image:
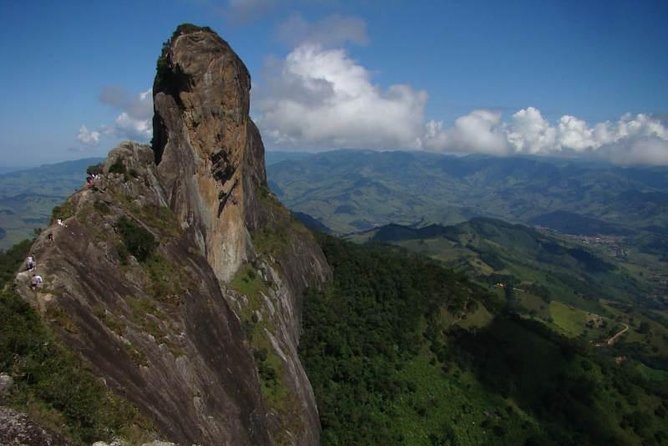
{"x":18,"y":429}
{"x":209,"y":153}
{"x":201,"y":333}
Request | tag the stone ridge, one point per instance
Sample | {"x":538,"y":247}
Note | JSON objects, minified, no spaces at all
{"x":202,"y":335}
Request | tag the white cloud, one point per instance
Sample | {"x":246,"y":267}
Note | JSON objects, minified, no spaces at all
{"x":321,"y":98}
{"x":480,"y":131}
{"x":331,"y":31}
{"x":645,"y":150}
{"x":88,"y":137}
{"x":529,"y":132}
{"x":132,"y":128}
{"x":135,"y":119}
{"x":133,"y":122}
{"x":318,"y":97}
{"x":638,"y":139}
{"x":632,"y":139}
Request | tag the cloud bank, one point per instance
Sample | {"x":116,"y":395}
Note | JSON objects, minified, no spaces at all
{"x":318,"y":97}
{"x":633,"y":139}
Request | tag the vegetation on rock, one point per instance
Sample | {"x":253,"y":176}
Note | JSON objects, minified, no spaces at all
{"x":136,"y":239}
{"x":50,"y":383}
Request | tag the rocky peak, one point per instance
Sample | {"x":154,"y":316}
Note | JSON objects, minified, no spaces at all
{"x":209,"y":153}
{"x":177,"y":277}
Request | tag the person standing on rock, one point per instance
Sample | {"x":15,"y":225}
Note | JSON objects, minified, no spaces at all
{"x":30,"y":263}
{"x":36,"y":281}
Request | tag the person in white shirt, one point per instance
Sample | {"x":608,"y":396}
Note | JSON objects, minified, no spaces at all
{"x":36,"y":281}
{"x":30,"y":263}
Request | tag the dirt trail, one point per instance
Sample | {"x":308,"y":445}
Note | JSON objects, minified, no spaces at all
{"x":614,"y":338}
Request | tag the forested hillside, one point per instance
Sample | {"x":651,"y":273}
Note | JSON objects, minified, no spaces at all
{"x":402,"y":351}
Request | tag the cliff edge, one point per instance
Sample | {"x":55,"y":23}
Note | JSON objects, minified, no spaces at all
{"x":177,"y":277}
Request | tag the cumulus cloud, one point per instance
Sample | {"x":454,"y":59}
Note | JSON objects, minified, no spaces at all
{"x":645,"y":150}
{"x":633,"y":139}
{"x":134,"y":120}
{"x":331,"y":31}
{"x":480,"y":131}
{"x":318,"y":97}
{"x":571,"y":133}
{"x":529,"y":132}
{"x":321,"y":98}
{"x":88,"y":137}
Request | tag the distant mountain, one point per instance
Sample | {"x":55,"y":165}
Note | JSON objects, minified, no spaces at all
{"x":312,"y":223}
{"x":273,"y":157}
{"x":28,"y":196}
{"x":8,"y":169}
{"x":350,"y":191}
{"x":572,"y":223}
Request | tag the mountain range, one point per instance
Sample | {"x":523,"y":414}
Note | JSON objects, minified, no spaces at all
{"x":176,"y":301}
{"x":350,"y":191}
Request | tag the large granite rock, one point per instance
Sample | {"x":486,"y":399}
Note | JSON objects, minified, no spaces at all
{"x":202,"y":336}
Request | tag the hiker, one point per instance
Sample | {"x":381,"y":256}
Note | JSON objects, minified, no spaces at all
{"x":36,"y":281}
{"x":50,"y":237}
{"x":60,"y":222}
{"x":30,"y":263}
{"x":89,"y":180}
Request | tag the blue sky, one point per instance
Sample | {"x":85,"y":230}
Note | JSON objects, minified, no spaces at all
{"x":580,"y":78}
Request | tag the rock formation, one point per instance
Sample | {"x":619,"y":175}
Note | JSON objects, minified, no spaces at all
{"x":18,"y":429}
{"x":209,"y":154}
{"x":178,"y":277}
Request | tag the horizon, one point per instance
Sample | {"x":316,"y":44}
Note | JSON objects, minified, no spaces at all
{"x":296,"y":154}
{"x":566,"y":79}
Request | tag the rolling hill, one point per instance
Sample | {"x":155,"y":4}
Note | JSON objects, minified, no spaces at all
{"x":572,"y":290}
{"x":349,"y":191}
{"x":28,"y":196}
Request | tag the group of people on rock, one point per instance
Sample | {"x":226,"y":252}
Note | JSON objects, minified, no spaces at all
{"x":31,"y":266}
{"x":90,"y":179}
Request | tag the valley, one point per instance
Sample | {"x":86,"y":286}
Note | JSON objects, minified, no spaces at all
{"x":199,"y":290}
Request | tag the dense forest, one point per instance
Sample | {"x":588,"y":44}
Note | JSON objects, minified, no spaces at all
{"x":397,"y":354}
